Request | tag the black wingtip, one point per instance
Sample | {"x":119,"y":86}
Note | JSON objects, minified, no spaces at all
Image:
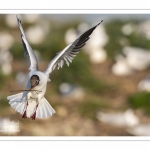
{"x":17,"y":17}
{"x":100,"y":22}
{"x":19,"y":21}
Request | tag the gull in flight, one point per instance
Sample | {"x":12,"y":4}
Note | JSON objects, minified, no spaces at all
{"x":31,"y":103}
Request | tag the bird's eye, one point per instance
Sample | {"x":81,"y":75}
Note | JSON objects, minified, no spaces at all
{"x":37,"y":81}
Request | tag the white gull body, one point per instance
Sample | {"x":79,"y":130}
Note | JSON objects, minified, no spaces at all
{"x":32,"y":104}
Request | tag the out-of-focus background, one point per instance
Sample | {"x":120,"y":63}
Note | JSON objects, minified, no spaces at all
{"x":104,"y":92}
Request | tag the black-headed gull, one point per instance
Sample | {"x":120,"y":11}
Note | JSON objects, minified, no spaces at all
{"x":32,"y":103}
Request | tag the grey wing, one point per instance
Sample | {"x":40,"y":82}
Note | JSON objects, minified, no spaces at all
{"x":69,"y":52}
{"x":28,"y":52}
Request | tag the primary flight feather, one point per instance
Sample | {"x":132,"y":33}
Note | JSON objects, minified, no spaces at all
{"x":32,"y":103}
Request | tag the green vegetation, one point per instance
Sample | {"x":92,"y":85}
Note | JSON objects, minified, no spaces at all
{"x":2,"y":80}
{"x":140,"y":100}
{"x":79,"y":74}
{"x":113,"y":29}
{"x":17,"y":51}
{"x":90,"y":107}
{"x":3,"y":102}
{"x":115,"y":46}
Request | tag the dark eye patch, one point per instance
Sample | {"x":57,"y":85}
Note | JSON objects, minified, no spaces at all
{"x":35,"y":77}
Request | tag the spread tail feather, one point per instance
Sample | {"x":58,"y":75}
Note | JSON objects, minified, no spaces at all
{"x":16,"y":102}
{"x":44,"y":109}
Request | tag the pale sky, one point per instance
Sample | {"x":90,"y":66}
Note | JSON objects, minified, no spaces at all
{"x":97,"y":17}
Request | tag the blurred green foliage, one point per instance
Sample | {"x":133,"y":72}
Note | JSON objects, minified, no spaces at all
{"x":116,"y":36}
{"x":3,"y":102}
{"x":2,"y":79}
{"x":113,"y":29}
{"x":90,"y":107}
{"x":5,"y":78}
{"x":137,"y":40}
{"x":17,"y":51}
{"x":140,"y":100}
{"x":79,"y":74}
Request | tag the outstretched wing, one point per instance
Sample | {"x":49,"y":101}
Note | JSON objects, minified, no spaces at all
{"x":28,"y":52}
{"x":69,"y":52}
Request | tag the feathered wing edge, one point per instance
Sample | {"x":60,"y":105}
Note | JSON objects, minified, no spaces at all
{"x":28,"y":52}
{"x":68,"y":54}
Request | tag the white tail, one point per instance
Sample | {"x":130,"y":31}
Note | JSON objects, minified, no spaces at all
{"x":16,"y":103}
{"x":44,"y":109}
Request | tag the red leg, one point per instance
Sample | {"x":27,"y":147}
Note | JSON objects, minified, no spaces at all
{"x":34,"y":115}
{"x":24,"y":114}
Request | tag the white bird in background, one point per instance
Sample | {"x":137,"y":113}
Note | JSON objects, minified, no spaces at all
{"x":31,"y":103}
